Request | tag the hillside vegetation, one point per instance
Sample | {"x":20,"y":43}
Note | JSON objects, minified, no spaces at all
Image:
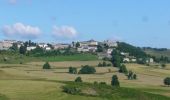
{"x":157,"y":53}
{"x":111,"y":93}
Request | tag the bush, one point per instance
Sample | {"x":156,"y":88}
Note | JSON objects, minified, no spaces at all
{"x":109,"y":64}
{"x":131,"y":76}
{"x":134,"y":76}
{"x":46,"y":66}
{"x":95,"y":82}
{"x":5,"y":59}
{"x":78,"y":79}
{"x":102,"y":83}
{"x":72,"y":70}
{"x":115,"y":81}
{"x":167,"y":81}
{"x":100,"y":65}
{"x":123,"y":69}
{"x":163,"y":65}
{"x":87,"y":70}
{"x":71,"y":90}
{"x":104,"y":64}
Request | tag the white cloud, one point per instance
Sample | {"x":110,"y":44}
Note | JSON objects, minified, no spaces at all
{"x":21,"y":30}
{"x":12,"y":1}
{"x":64,"y":32}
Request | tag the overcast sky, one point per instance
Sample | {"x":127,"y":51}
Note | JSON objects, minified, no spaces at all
{"x":139,"y":22}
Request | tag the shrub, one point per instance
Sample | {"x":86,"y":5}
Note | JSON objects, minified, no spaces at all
{"x":131,"y":76}
{"x":123,"y":69}
{"x":163,"y":65}
{"x":72,"y":70}
{"x":46,"y":66}
{"x":100,"y":65}
{"x":95,"y":82}
{"x":5,"y":59}
{"x":134,"y":76}
{"x":109,"y":64}
{"x":71,"y":90}
{"x":102,"y":83}
{"x":78,"y":79}
{"x":87,"y":70}
{"x":115,"y":81}
{"x":21,"y":62}
{"x":104,"y":64}
{"x":167,"y":81}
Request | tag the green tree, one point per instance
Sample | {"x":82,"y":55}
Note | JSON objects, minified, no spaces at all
{"x":163,"y":65}
{"x":87,"y":70}
{"x":132,"y":50}
{"x":100,"y":65}
{"x":78,"y":79}
{"x":167,"y":81}
{"x":116,"y":58}
{"x":77,"y":44}
{"x":46,"y":66}
{"x":14,"y":47}
{"x":100,"y":48}
{"x":109,"y":64}
{"x":22,"y":50}
{"x":104,"y":64}
{"x":72,"y":70}
{"x":123,"y":69}
{"x":115,"y":81}
{"x":134,"y":76}
{"x":130,"y":75}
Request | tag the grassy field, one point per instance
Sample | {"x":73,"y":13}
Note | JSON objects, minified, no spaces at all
{"x":17,"y":59}
{"x":76,"y":57}
{"x":30,"y":82}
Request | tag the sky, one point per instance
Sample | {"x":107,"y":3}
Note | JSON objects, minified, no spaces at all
{"x":138,"y":22}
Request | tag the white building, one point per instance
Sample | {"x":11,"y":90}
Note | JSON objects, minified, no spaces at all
{"x":6,"y":44}
{"x":126,"y":60}
{"x":31,"y":48}
{"x":89,"y":43}
{"x":149,"y":60}
{"x":104,"y":55}
{"x":83,"y":49}
{"x":88,"y":46}
{"x":111,"y":43}
{"x":47,"y":48}
{"x":42,"y":45}
{"x":109,"y":51}
{"x":60,"y":46}
{"x":133,"y":60}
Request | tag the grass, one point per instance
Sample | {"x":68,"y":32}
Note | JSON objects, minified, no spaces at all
{"x":35,"y":90}
{"x":21,"y":79}
{"x":112,"y":93}
{"x":76,"y":57}
{"x":17,"y":59}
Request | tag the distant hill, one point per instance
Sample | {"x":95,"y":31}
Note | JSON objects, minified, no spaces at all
{"x":132,"y":50}
{"x":157,"y":52}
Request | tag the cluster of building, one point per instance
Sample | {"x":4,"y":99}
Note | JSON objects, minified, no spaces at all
{"x":84,"y":46}
{"x":131,"y":59}
{"x":6,"y":44}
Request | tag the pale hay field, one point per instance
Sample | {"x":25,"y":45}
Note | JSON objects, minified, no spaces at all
{"x":149,"y":78}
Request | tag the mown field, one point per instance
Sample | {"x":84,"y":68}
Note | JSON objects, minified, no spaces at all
{"x":29,"y":81}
